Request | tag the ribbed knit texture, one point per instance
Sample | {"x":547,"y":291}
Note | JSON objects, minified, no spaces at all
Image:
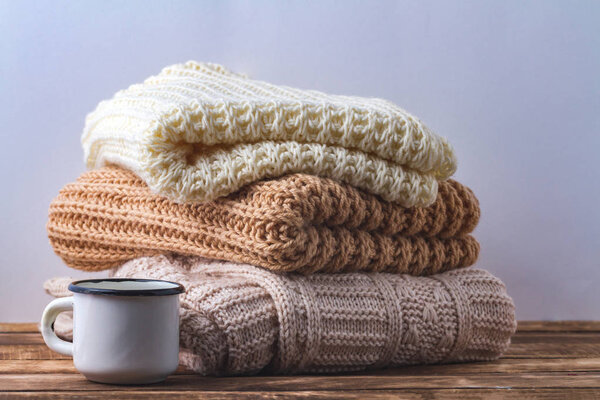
{"x":197,"y":131}
{"x":240,"y":319}
{"x":293,"y":223}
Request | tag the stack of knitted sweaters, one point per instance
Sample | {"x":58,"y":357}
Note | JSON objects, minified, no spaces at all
{"x":313,"y":233}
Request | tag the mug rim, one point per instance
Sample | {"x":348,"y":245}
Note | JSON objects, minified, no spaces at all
{"x":177,"y":289}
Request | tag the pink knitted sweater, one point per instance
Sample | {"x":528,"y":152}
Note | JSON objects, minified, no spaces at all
{"x":240,"y":319}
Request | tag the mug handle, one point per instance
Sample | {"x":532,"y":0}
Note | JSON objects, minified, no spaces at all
{"x":52,"y":310}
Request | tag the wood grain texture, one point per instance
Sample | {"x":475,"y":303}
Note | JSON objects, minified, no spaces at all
{"x":18,"y":327}
{"x":29,"y":352}
{"x":559,"y":326}
{"x":418,"y":394}
{"x":523,"y":326}
{"x":66,"y":366}
{"x":503,"y":365}
{"x":549,"y":360}
{"x":12,"y":338}
{"x":76,"y":382}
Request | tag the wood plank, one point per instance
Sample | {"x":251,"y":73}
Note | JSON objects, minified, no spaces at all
{"x":523,"y":326}
{"x":75,"y":382}
{"x":29,"y":352}
{"x":66,"y":366}
{"x":456,"y":394}
{"x":502,"y":365}
{"x":18,"y":327}
{"x":37,"y":367}
{"x":530,"y":345}
{"x":22,"y":346}
{"x":212,"y":395}
{"x":552,"y":350}
{"x":21,"y":338}
{"x":559,"y":326}
{"x":555,"y":337}
{"x":508,"y":366}
{"x":516,"y":351}
{"x":554,"y":345}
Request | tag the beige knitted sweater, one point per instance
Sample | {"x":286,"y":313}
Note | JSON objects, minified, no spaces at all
{"x":240,"y":319}
{"x":197,"y":131}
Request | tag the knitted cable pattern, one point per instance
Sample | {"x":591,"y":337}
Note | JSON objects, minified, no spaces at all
{"x":197,"y":131}
{"x":293,"y":223}
{"x":240,"y":319}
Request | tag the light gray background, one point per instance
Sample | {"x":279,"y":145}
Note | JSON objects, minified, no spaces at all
{"x":514,"y":85}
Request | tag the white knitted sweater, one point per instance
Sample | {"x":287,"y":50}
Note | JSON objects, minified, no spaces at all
{"x":196,"y":131}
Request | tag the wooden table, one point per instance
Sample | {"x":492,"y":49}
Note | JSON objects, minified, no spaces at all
{"x":553,"y":359}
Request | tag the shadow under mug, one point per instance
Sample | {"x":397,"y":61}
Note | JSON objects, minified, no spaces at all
{"x":125,"y":331}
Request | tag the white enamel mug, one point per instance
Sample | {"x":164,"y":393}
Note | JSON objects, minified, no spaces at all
{"x":125,"y":331}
